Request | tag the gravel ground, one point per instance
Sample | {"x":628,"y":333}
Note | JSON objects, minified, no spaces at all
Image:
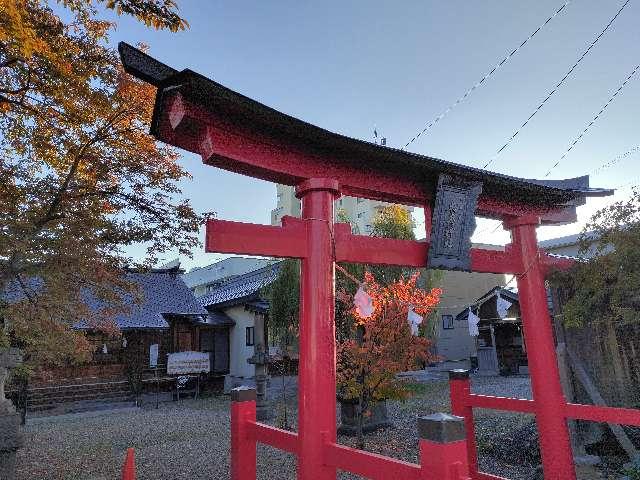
{"x":190,"y":439}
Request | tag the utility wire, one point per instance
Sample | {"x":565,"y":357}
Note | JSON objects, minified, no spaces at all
{"x":486,"y":229}
{"x":632,"y":183}
{"x":615,"y":160}
{"x":579,"y":137}
{"x":487,"y":75}
{"x":558,"y":85}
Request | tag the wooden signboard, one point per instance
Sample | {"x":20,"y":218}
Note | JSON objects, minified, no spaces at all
{"x":453,"y":223}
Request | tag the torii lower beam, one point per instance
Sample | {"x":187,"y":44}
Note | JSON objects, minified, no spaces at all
{"x":289,"y":241}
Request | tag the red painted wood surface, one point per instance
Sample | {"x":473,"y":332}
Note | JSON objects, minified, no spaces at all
{"x":459,"y":392}
{"x":223,"y":236}
{"x":290,"y":241}
{"x":369,"y":465}
{"x":276,"y":437}
{"x":315,"y":239}
{"x":243,"y":445}
{"x":555,"y":445}
{"x":595,"y":413}
{"x":463,"y":402}
{"x":271,"y":158}
{"x":129,"y":466}
{"x":443,"y":461}
{"x":317,"y":366}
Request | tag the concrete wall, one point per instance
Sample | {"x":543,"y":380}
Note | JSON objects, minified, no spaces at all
{"x":239,"y":351}
{"x":287,"y":204}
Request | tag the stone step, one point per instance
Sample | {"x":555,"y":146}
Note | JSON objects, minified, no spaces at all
{"x":80,"y":406}
{"x":55,"y":399}
{"x":34,"y":396}
{"x":80,"y":387}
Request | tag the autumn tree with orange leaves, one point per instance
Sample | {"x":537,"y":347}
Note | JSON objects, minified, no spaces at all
{"x":381,"y":345}
{"x":80,"y":177}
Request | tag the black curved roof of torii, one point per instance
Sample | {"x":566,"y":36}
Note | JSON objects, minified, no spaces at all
{"x":210,"y":94}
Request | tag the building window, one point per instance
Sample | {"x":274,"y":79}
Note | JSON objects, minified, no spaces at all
{"x":250,"y":336}
{"x":360,"y":200}
{"x":447,"y":322}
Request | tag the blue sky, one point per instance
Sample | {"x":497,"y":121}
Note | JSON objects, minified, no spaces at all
{"x":347,"y":66}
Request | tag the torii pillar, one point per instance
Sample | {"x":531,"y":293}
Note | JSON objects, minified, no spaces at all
{"x":317,"y":366}
{"x":553,"y":430}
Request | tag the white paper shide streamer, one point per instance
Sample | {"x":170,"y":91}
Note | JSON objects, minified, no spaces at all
{"x":363,"y":303}
{"x":502,"y":306}
{"x":473,"y":321}
{"x":414,"y":320}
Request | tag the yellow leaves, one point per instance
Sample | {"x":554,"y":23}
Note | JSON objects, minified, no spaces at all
{"x":66,"y":68}
{"x":17,"y":31}
{"x":87,"y":178}
{"x":158,"y":14}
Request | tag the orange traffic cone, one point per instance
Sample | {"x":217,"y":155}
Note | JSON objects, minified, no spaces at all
{"x":129,"y":467}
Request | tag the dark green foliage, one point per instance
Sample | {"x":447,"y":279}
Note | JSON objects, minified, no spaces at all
{"x":284,"y":302}
{"x":606,"y":288}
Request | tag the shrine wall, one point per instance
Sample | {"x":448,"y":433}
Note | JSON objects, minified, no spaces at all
{"x":238,"y":348}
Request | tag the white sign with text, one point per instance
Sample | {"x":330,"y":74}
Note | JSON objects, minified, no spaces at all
{"x":182,"y":363}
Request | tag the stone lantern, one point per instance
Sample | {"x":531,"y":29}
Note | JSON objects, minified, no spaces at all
{"x":260,"y":361}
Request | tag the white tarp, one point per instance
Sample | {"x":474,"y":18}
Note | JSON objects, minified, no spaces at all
{"x":182,"y":363}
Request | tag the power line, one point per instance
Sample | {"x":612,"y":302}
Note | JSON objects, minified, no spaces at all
{"x":615,"y":160}
{"x":632,"y":183}
{"x":486,"y":229}
{"x":579,"y":137}
{"x":487,"y":75}
{"x":558,"y":85}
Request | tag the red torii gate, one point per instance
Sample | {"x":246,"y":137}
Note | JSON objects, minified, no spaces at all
{"x":236,"y":133}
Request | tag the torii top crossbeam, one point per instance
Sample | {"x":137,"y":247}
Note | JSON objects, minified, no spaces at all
{"x":236,"y":133}
{"x":239,"y":134}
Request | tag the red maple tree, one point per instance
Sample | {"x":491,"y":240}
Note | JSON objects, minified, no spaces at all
{"x":381,"y":345}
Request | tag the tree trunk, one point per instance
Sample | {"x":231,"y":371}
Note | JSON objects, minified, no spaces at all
{"x":360,"y":431}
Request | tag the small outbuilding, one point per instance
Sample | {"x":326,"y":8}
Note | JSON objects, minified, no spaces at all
{"x":239,"y":298}
{"x":169,"y":316}
{"x":500,"y":342}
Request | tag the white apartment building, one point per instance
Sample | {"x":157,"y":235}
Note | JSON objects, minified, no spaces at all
{"x":361,"y":211}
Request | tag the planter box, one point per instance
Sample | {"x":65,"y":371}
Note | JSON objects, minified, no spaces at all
{"x":378,"y":417}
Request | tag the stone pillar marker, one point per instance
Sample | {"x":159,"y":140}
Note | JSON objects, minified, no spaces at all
{"x":11,"y":438}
